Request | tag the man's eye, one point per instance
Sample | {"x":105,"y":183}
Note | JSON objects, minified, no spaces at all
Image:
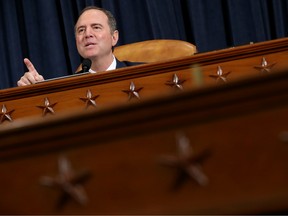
{"x":80,"y":30}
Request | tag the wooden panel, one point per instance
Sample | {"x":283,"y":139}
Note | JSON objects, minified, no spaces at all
{"x":197,"y":71}
{"x":242,"y":125}
{"x":246,"y":175}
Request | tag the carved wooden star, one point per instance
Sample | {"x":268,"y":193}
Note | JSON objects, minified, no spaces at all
{"x":265,"y":67}
{"x":133,"y":92}
{"x":176,"y":82}
{"x":90,"y":100}
{"x":220,"y":76}
{"x":186,"y":163}
{"x":47,"y":108}
{"x":68,"y":182}
{"x":5,"y":115}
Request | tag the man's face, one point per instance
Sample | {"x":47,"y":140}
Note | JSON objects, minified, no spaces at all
{"x":93,"y":35}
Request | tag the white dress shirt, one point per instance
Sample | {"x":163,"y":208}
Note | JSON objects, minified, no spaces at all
{"x":111,"y":67}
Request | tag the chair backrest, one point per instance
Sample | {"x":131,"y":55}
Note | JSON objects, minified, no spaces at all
{"x":154,"y":50}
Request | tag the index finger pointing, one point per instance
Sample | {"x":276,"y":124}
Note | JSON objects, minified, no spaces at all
{"x":29,"y":65}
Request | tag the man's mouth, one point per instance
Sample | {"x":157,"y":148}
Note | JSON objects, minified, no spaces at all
{"x":89,"y":44}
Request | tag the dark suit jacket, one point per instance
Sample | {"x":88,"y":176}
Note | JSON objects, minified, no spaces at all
{"x":121,"y":64}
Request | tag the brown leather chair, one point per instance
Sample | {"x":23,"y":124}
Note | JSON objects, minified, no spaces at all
{"x":153,"y":50}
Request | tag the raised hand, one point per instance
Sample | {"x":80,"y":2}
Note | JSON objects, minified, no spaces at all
{"x":31,"y":76}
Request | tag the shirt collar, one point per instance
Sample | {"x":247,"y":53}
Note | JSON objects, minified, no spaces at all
{"x":111,"y":67}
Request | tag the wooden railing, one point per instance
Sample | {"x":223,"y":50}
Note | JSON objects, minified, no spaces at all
{"x":121,"y":86}
{"x":207,"y":149}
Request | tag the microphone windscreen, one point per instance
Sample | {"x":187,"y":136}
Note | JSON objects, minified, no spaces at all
{"x":86,"y":65}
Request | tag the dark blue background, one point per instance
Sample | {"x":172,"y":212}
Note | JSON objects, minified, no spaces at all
{"x":43,"y":30}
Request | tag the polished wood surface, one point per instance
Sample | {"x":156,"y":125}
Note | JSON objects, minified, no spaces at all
{"x":108,"y":88}
{"x":120,"y":149}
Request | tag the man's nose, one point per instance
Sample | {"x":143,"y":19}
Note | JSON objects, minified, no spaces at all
{"x":88,"y":32}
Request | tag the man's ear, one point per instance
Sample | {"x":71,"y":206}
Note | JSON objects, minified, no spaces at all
{"x":115,"y":37}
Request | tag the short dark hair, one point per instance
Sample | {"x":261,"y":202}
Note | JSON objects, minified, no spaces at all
{"x":111,"y":19}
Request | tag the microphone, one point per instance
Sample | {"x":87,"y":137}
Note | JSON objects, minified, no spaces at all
{"x":86,"y":65}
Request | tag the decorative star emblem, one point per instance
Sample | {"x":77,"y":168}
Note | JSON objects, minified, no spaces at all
{"x":68,"y":182}
{"x":186,"y":163}
{"x":176,"y":82}
{"x":220,"y":76}
{"x":90,"y":100}
{"x":5,"y":115}
{"x":133,"y":92}
{"x":47,"y":108}
{"x":265,"y":67}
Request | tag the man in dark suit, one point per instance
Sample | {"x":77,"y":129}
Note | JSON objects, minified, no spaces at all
{"x":96,"y":34}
